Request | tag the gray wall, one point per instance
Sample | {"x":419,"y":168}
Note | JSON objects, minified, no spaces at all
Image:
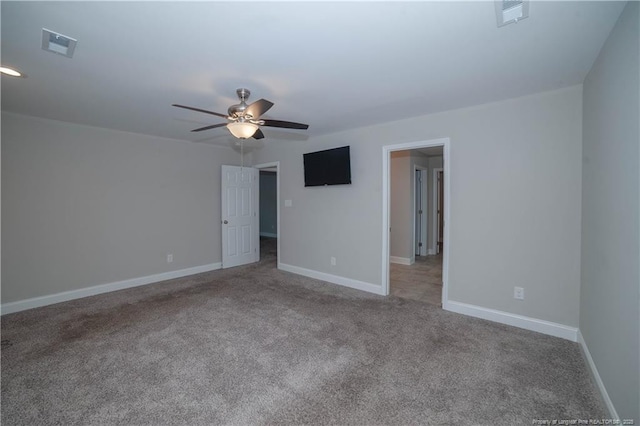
{"x":514,"y":222}
{"x":402,"y":200}
{"x":268,"y":203}
{"x":609,"y":306}
{"x":400,"y":206}
{"x":83,"y":206}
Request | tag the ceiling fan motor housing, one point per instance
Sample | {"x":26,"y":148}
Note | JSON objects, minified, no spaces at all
{"x":238,"y":109}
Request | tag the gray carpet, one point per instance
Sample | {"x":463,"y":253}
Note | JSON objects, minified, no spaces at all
{"x":254,"y":345}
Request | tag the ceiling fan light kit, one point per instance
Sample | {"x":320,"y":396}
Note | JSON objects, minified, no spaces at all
{"x":244,"y":120}
{"x":242,"y":130}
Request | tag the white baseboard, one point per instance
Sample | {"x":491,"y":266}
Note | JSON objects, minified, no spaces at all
{"x":528,"y":323}
{"x":268,"y":234}
{"x":613,"y":414}
{"x":334,"y":279}
{"x":36,"y":302}
{"x":401,"y":260}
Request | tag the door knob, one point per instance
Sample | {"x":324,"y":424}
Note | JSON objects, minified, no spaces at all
{"x":225,"y":222}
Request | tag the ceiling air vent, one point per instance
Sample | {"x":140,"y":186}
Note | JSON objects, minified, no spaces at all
{"x":58,"y":43}
{"x":511,"y":11}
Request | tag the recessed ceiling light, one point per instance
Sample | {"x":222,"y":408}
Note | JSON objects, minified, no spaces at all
{"x":11,"y":72}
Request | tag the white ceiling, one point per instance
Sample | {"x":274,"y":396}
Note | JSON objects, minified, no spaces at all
{"x":332,"y":65}
{"x":432,"y":151}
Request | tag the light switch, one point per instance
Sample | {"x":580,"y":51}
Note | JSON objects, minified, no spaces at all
{"x":288,"y":203}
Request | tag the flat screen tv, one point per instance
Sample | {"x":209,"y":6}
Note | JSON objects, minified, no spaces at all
{"x":329,"y":167}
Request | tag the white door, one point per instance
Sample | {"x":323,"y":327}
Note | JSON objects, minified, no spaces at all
{"x":240,"y":232}
{"x":418,"y":213}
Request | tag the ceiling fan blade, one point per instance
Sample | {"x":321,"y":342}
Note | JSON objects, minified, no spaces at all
{"x":213,"y":126}
{"x":258,"y":108}
{"x":285,"y":124}
{"x":199,"y":110}
{"x":258,"y":134}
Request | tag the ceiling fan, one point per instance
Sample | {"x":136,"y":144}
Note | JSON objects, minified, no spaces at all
{"x":244,"y":120}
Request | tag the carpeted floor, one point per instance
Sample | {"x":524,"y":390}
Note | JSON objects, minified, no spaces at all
{"x":253,"y":345}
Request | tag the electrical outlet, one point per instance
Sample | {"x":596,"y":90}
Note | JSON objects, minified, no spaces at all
{"x":333,"y":261}
{"x":169,"y":258}
{"x":518,"y":293}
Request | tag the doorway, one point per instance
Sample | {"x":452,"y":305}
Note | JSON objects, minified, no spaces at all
{"x":269,"y":213}
{"x":443,"y":145}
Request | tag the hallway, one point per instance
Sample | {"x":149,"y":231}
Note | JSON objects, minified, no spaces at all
{"x":421,"y":281}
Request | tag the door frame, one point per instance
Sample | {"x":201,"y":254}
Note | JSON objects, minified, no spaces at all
{"x":273,"y":165}
{"x":386,"y":184}
{"x":424,"y":232}
{"x":434,"y":208}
